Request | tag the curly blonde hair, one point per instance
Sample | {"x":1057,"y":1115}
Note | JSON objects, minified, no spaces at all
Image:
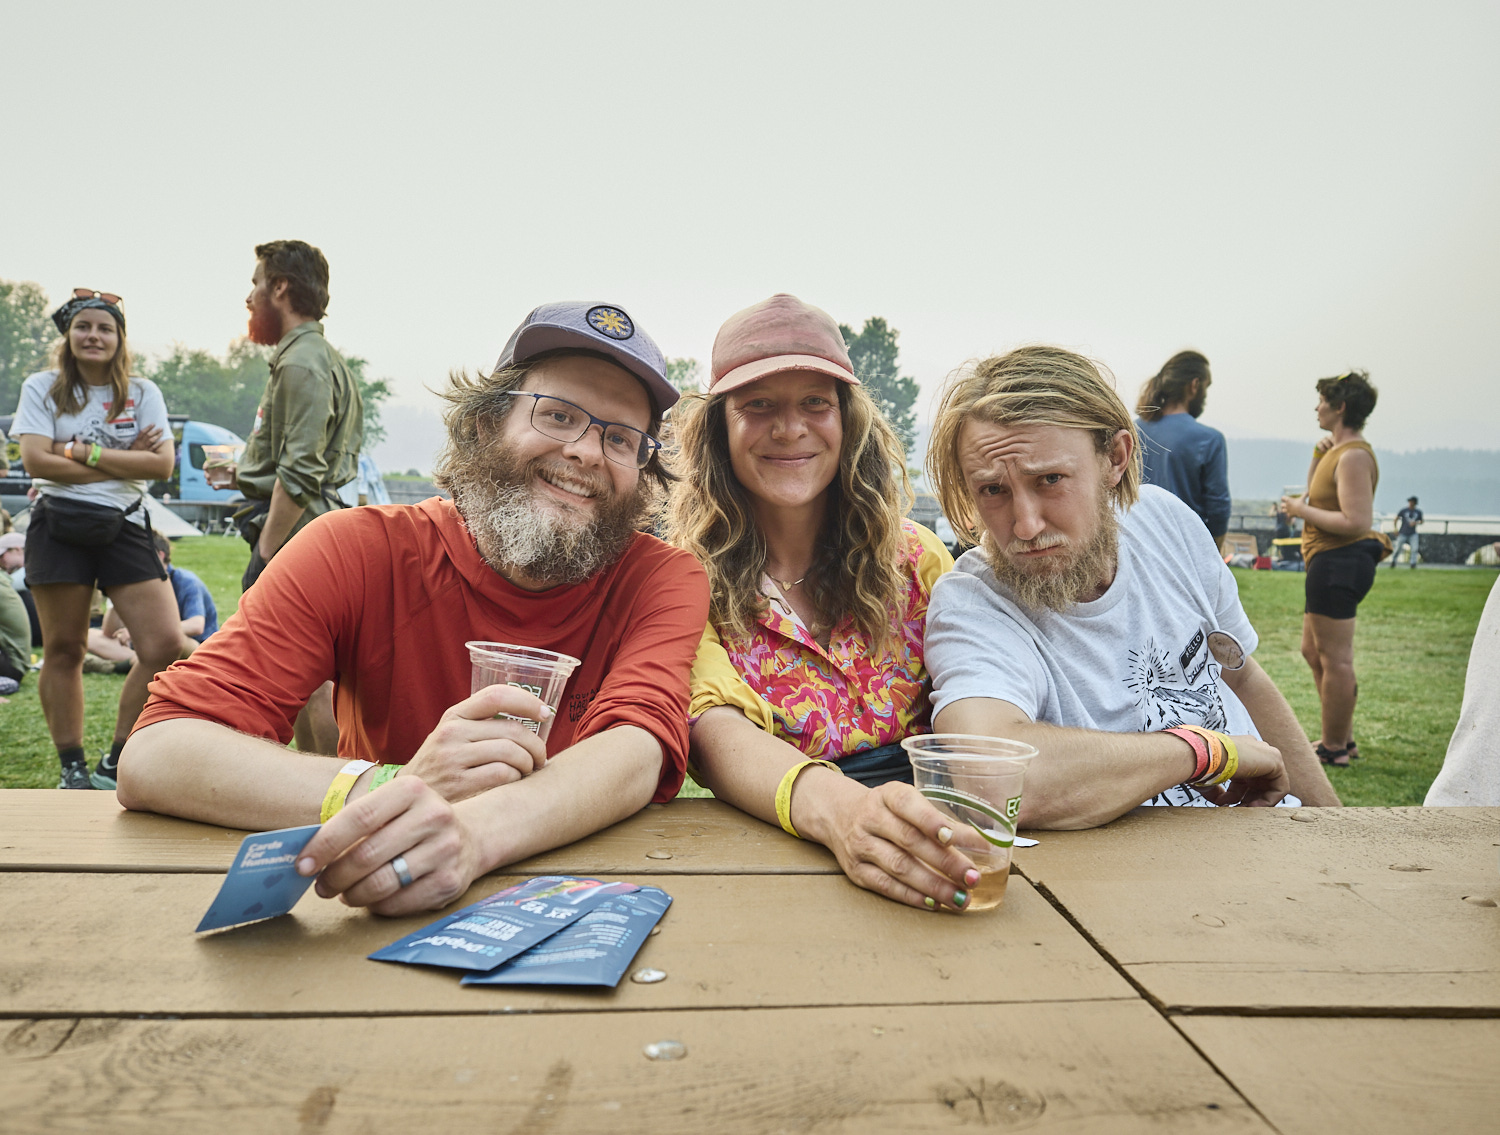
{"x":1030,"y":386}
{"x":857,"y":570}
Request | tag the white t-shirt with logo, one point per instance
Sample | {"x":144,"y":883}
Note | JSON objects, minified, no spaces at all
{"x":98,"y":421}
{"x":1135,"y":660}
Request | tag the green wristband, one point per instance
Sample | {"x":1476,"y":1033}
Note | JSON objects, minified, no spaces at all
{"x":387,"y":772}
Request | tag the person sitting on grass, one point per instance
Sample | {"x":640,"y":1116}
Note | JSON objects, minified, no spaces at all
{"x":1096,"y":620}
{"x":195,"y":607}
{"x":553,"y":462}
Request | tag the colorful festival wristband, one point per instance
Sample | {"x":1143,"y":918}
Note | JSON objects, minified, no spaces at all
{"x":94,"y":455}
{"x":784,"y":793}
{"x":1220,"y":747}
{"x":338,"y":791}
{"x":387,"y":772}
{"x":1201,"y":753}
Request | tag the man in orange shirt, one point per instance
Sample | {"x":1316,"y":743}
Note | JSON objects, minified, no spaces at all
{"x":553,"y":463}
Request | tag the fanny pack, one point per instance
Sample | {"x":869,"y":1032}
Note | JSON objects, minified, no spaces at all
{"x":84,"y":524}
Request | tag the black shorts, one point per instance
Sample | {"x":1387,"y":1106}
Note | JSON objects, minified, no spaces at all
{"x":131,"y":558}
{"x":1339,"y":578}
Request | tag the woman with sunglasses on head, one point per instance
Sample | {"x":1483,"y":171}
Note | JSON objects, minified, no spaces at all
{"x":93,"y":438}
{"x":793,"y":496}
{"x":1341,"y":550}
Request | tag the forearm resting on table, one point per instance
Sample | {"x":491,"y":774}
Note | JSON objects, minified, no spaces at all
{"x":1080,"y":778}
{"x":600,"y":781}
{"x":743,"y":765}
{"x":201,"y":770}
{"x":1279,"y":726}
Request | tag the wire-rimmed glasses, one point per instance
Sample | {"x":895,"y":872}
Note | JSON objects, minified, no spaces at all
{"x":561,"y":420}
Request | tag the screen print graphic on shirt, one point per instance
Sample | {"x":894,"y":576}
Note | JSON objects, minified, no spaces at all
{"x":1174,"y":687}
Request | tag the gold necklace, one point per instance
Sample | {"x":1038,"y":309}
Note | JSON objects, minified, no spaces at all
{"x":786,"y":584}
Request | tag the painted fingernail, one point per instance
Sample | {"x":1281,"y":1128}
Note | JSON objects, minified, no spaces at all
{"x":945,"y":836}
{"x":971,"y":877}
{"x":930,"y":902}
{"x":306,"y":865}
{"x":959,"y":898}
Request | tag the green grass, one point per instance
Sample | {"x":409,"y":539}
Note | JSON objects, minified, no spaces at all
{"x":1411,"y":651}
{"x":27,"y":757}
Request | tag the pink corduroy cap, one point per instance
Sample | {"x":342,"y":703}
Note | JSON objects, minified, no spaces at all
{"x":776,"y":335}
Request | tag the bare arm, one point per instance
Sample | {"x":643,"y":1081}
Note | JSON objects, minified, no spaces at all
{"x":1082,"y":778}
{"x":45,"y":458}
{"x":280,"y":520}
{"x":886,"y":839}
{"x":1278,"y":726}
{"x":1355,"y":478}
{"x":194,"y":626}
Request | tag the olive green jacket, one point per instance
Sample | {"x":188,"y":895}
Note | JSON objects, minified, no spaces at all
{"x":309,"y":427}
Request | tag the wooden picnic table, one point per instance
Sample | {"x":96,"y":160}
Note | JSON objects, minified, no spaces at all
{"x":1184,"y":969}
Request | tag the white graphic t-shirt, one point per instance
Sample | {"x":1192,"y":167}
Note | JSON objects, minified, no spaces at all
{"x":98,"y":421}
{"x":1135,"y":660}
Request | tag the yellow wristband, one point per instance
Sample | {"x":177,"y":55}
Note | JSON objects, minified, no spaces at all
{"x":94,"y":455}
{"x":1232,"y":764}
{"x":784,"y":793}
{"x":338,"y":791}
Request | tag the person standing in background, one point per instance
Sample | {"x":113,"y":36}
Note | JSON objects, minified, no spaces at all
{"x":306,"y":439}
{"x":1178,"y":452}
{"x":1341,"y":550}
{"x":1407,"y":522}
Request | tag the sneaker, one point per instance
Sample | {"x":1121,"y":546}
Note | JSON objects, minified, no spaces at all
{"x":93,"y":664}
{"x":8,"y":686}
{"x":75,"y":776}
{"x":104,"y":776}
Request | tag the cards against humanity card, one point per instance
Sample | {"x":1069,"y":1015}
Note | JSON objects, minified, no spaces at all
{"x":595,"y":950}
{"x":263,"y":880}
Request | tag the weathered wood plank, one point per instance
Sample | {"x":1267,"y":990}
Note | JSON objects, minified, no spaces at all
{"x":111,"y":943}
{"x":1311,"y":909}
{"x":89,"y":831}
{"x":1310,"y":1076}
{"x":1107,"y":1067}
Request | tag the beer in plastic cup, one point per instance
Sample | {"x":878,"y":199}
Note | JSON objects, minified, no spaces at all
{"x":219,"y":462}
{"x":976,"y":782}
{"x":540,"y":672}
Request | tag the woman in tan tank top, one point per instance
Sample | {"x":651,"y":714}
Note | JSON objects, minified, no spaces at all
{"x":1341,"y":551}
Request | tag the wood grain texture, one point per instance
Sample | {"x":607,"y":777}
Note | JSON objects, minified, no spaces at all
{"x":753,"y":940}
{"x":89,"y":831}
{"x":1314,"y":1076}
{"x":1324,"y":910}
{"x":1105,"y":1067}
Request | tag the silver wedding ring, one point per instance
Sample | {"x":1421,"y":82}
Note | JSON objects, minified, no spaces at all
{"x":403,"y":872}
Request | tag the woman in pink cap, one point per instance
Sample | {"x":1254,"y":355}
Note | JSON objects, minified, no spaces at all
{"x":811,"y":671}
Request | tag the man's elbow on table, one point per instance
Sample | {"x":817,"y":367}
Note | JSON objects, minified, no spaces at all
{"x":148,"y":766}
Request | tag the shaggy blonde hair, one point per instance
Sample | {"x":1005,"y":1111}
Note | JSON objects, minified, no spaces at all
{"x":857,"y":570}
{"x":1030,"y":386}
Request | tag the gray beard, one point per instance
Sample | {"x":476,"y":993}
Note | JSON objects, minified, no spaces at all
{"x":516,"y":531}
{"x":1062,"y":587}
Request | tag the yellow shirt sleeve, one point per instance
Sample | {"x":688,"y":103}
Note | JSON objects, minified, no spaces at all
{"x":935,"y":558}
{"x":716,"y":681}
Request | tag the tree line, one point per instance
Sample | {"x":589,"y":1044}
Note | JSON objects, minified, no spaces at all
{"x":206,"y":387}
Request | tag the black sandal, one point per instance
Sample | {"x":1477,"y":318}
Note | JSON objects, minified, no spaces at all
{"x":1338,"y":758}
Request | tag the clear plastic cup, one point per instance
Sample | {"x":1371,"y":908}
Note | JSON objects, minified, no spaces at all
{"x":219,"y":462}
{"x":540,"y":672}
{"x":976,"y":781}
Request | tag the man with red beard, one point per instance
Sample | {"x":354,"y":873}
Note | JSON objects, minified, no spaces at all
{"x":554,"y":465}
{"x":1096,"y":620}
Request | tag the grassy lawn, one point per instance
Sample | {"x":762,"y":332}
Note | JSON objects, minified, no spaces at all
{"x":1411,"y":651}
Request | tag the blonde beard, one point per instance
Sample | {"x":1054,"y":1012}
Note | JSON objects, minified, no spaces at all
{"x":1062,"y":587}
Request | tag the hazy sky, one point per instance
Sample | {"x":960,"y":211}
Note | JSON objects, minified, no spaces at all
{"x":1293,"y":189}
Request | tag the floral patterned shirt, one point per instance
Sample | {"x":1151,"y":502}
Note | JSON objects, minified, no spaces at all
{"x":834,"y":701}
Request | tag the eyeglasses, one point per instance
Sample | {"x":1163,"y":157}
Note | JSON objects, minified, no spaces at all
{"x":560,"y":420}
{"x":89,"y":294}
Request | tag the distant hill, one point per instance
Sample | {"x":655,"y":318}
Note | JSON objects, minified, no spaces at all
{"x":1463,"y":482}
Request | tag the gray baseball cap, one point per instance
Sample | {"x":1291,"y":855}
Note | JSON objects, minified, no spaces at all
{"x":601,"y":327}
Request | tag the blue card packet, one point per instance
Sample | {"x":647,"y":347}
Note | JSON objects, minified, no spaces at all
{"x":262,"y":881}
{"x":594,"y":950}
{"x":482,"y":936}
